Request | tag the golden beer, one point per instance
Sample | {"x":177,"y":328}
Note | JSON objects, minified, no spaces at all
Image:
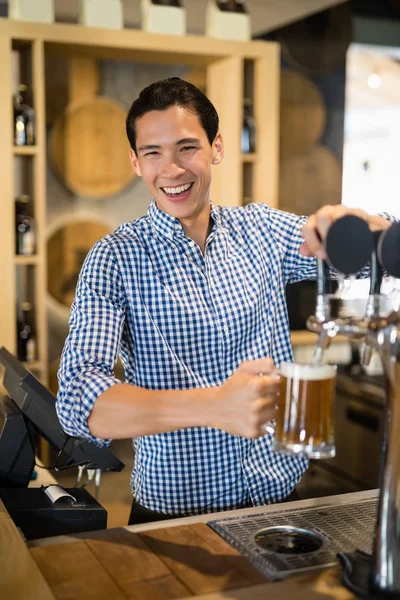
{"x":305,"y":413}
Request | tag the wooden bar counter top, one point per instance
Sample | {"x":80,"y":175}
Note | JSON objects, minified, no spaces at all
{"x":180,"y":558}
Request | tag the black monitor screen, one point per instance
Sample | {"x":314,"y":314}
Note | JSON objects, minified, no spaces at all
{"x":37,"y":405}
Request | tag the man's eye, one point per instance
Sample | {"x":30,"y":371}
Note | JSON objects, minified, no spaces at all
{"x":154,"y":152}
{"x":189,"y":148}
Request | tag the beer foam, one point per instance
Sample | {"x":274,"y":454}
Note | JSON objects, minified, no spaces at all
{"x":307,"y":372}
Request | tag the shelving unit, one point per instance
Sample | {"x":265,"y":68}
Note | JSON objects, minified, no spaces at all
{"x":226,"y":64}
{"x":31,"y":180}
{"x":249,"y":158}
{"x":25,"y":150}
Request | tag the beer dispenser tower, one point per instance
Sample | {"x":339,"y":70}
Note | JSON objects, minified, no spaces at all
{"x":350,"y":246}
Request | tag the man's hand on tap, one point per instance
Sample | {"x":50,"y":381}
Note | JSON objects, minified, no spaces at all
{"x":316,"y":228}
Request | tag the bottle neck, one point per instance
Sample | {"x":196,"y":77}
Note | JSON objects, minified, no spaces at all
{"x":22,"y":209}
{"x":21,"y":98}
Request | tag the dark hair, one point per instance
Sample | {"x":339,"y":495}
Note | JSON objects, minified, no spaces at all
{"x":172,"y":92}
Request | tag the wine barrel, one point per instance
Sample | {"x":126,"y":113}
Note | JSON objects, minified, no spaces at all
{"x":67,"y":248}
{"x":318,"y":43}
{"x":302,"y":114}
{"x":89,"y":149}
{"x":310,"y":180}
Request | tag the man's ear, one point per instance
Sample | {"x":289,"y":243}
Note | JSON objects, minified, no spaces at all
{"x":135,"y":162}
{"x":218,"y":149}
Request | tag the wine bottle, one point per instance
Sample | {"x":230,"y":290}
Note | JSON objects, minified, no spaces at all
{"x":237,"y":6}
{"x":240,"y":6}
{"x":24,"y":118}
{"x":225,"y":5}
{"x":248,"y":129}
{"x":26,"y":345}
{"x":25,"y":235}
{"x":176,"y":3}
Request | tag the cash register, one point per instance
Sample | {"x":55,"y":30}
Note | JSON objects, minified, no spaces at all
{"x":29,"y":410}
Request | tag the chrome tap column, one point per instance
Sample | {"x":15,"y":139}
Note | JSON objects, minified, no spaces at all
{"x":349,"y":246}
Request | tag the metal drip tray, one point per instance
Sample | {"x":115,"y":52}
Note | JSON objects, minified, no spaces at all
{"x":288,"y":540}
{"x":283,"y":543}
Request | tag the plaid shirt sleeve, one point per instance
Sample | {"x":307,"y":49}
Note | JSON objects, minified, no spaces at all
{"x":287,"y":231}
{"x":91,"y":348}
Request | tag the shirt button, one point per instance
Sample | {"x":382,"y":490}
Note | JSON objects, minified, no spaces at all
{"x":230,"y":373}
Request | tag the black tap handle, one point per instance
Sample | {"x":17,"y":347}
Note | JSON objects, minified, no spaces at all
{"x":389,"y":250}
{"x":349,"y":244}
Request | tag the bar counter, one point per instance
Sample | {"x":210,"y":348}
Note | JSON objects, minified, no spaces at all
{"x":180,"y":558}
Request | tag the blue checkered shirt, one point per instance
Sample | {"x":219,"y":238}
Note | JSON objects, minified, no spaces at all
{"x":181,"y":320}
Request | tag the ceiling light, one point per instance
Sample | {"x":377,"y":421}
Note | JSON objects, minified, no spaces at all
{"x":374,"y":81}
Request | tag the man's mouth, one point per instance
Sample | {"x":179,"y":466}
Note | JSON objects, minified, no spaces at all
{"x":179,"y":192}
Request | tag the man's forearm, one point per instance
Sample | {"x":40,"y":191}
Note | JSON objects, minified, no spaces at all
{"x":125,"y":411}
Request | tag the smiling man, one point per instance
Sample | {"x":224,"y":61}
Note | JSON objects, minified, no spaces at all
{"x":192,"y":298}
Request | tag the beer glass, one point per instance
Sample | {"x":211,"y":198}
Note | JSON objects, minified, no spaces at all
{"x":304,"y":424}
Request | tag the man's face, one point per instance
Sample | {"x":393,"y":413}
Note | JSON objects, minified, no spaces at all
{"x":174,"y":158}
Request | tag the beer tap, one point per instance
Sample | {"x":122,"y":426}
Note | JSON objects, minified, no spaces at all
{"x":345,"y":263}
{"x":349,"y":247}
{"x":374,"y":298}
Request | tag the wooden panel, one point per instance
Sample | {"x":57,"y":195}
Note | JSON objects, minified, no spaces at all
{"x":131,"y":44}
{"x":56,"y":89}
{"x":89,"y":149}
{"x":39,"y":200}
{"x":67,"y":248}
{"x":25,"y":150}
{"x":121,"y":563}
{"x":20,"y":578}
{"x":225,"y":90}
{"x":314,"y":586}
{"x":83,"y":78}
{"x":266,"y":112}
{"x":140,"y":573}
{"x":302,"y":114}
{"x":244,"y":567}
{"x":198,"y":77}
{"x":310,"y":180}
{"x":194,"y":559}
{"x":7,"y":236}
{"x":161,"y":588}
{"x":162,"y":564}
{"x":72,"y":571}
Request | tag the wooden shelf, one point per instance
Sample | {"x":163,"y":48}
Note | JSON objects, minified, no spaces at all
{"x":26,"y":260}
{"x":307,"y":338}
{"x":34,"y":365}
{"x":25,"y":150}
{"x":249,"y":158}
{"x":132,"y":44}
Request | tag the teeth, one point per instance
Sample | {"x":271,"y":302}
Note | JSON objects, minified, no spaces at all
{"x":177,"y":190}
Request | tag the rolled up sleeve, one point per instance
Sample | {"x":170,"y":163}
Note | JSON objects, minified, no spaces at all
{"x":91,"y":348}
{"x":287,"y":230}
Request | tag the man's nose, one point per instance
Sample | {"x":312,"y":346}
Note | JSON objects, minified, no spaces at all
{"x":172,"y":169}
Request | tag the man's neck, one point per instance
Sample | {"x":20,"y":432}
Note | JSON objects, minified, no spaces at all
{"x":198,"y":229}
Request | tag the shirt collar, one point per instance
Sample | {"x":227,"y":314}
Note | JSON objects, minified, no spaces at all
{"x":168,"y":226}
